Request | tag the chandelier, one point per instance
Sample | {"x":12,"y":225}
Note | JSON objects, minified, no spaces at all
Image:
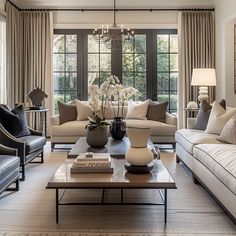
{"x":113,"y":36}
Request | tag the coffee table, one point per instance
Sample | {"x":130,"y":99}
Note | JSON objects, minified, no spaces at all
{"x":116,"y":148}
{"x":159,"y":178}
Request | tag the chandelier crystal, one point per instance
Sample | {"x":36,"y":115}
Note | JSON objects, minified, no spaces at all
{"x":112,"y":36}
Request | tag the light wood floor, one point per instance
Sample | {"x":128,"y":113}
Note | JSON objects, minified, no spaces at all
{"x":191,"y":211}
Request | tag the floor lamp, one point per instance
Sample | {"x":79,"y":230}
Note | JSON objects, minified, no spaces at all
{"x":203,"y":77}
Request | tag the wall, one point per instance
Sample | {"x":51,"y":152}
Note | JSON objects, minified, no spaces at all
{"x":92,"y":20}
{"x":2,"y":6}
{"x":225,"y":20}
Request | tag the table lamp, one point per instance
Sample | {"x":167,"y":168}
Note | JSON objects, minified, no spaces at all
{"x":203,"y":77}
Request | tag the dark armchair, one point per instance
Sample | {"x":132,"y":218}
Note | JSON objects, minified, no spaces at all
{"x":29,"y":147}
{"x":9,"y":168}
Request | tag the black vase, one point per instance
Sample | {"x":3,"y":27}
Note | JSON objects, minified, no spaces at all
{"x":118,"y":128}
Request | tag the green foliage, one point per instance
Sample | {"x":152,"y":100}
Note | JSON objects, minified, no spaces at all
{"x":96,"y":121}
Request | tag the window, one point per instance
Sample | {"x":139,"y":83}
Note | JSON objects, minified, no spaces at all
{"x":148,"y":62}
{"x":65,"y":68}
{"x":2,"y":61}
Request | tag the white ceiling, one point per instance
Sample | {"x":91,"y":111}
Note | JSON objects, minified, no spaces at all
{"x":109,"y":3}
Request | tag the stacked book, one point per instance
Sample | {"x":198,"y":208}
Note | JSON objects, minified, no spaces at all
{"x":92,"y":163}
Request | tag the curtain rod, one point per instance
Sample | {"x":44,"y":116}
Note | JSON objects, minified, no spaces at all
{"x":110,"y":9}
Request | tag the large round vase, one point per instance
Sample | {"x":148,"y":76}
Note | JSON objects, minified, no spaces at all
{"x":97,"y":138}
{"x":138,"y":154}
{"x":118,"y":128}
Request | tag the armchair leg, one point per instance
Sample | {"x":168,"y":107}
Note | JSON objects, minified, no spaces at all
{"x":17,"y":184}
{"x":177,"y":159}
{"x":52,"y":146}
{"x":22,"y":173}
{"x":174,"y":146}
{"x":42,"y":157}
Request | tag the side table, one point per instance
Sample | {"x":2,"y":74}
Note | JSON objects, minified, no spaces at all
{"x":43,"y":118}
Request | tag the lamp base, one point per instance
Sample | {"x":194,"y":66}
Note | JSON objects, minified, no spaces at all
{"x":203,"y":94}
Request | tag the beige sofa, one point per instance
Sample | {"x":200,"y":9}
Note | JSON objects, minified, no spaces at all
{"x":71,"y":131}
{"x":211,"y":162}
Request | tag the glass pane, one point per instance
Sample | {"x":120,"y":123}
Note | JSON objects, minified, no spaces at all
{"x":174,"y":43}
{"x":140,"y":43}
{"x":162,"y":96}
{"x":162,"y":43}
{"x":93,"y":62}
{"x":127,"y":62}
{"x":105,"y":62}
{"x":70,"y":96}
{"x":59,"y":81}
{"x":174,"y":62}
{"x":127,"y":46}
{"x":128,"y":79}
{"x":173,"y":81}
{"x":173,"y":101}
{"x":93,"y":44}
{"x":163,"y":81}
{"x":71,"y":62}
{"x":58,"y":43}
{"x":71,"y":43}
{"x":103,"y":76}
{"x":71,"y":81}
{"x":140,"y":62}
{"x":58,"y":62}
{"x":93,"y":78}
{"x":142,"y":96}
{"x":58,"y":96}
{"x":105,"y":47}
{"x":140,"y":81}
{"x":162,"y":62}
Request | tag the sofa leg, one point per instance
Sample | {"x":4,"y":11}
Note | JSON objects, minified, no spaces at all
{"x":174,"y":146}
{"x":52,"y":146}
{"x":42,"y":157}
{"x":177,"y":159}
{"x":195,"y":180}
{"x":22,"y":173}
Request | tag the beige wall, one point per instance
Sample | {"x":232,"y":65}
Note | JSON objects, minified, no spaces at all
{"x":129,"y":19}
{"x":225,"y":20}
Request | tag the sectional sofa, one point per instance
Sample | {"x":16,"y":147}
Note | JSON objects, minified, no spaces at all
{"x":71,"y":131}
{"x":212,"y":163}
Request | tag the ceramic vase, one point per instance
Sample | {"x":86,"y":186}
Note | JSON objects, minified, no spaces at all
{"x":118,"y":128}
{"x":138,"y":154}
{"x":97,"y":137}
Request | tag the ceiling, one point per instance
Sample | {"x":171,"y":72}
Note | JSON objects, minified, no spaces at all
{"x":109,"y":3}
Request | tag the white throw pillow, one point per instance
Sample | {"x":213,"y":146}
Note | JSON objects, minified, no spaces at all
{"x":83,"y":110}
{"x":218,"y":118}
{"x":137,"y":111}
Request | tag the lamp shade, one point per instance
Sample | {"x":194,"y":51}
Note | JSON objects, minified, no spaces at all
{"x":204,"y":77}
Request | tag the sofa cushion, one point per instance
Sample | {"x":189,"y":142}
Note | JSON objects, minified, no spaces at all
{"x":84,"y":110}
{"x":33,"y":142}
{"x":157,"y":111}
{"x":71,"y":128}
{"x":220,"y":159}
{"x":187,"y":138}
{"x":137,"y":110}
{"x":157,"y":128}
{"x":8,"y":164}
{"x":67,"y":112}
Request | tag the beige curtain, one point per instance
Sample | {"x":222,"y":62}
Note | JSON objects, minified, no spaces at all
{"x":29,"y":53}
{"x":197,"y":49}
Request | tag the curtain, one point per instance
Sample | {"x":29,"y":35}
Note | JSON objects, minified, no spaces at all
{"x":29,"y":53}
{"x":197,"y":50}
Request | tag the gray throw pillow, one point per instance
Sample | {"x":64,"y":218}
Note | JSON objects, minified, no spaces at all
{"x":204,"y":114}
{"x":157,"y":111}
{"x":67,"y":112}
{"x":228,"y":134}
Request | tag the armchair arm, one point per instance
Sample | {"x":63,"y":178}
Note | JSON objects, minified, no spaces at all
{"x":35,"y":132}
{"x":10,"y":141}
{"x":7,"y":151}
{"x":171,"y":119}
{"x":55,"y":120}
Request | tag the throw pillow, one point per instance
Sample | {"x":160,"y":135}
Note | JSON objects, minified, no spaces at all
{"x":218,"y":118}
{"x":204,"y":114}
{"x":157,"y":111}
{"x":67,"y":112}
{"x":137,"y":111}
{"x":83,"y":110}
{"x":14,"y":121}
{"x":228,"y":133}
